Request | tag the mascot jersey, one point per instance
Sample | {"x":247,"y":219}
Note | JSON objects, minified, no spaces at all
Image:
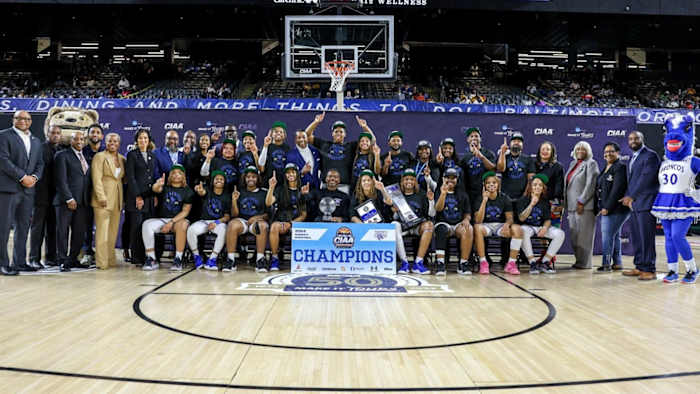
{"x":677,"y":198}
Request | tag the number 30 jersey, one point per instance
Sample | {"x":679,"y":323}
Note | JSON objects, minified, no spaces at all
{"x":677,"y":189}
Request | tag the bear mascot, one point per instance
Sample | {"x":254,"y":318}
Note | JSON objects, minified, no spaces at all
{"x":678,"y":203}
{"x":70,"y":119}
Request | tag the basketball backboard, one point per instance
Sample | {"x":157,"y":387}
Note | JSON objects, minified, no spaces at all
{"x":312,"y":40}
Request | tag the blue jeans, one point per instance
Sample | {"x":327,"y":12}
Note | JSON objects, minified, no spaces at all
{"x":612,"y":245}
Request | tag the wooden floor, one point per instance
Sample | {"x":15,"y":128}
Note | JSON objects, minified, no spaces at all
{"x":125,"y":330}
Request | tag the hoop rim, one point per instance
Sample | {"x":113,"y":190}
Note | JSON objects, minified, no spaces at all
{"x":333,"y":66}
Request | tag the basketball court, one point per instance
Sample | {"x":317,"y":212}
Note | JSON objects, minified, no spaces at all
{"x":125,"y":330}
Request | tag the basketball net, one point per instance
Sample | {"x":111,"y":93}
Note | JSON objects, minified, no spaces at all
{"x":339,"y":71}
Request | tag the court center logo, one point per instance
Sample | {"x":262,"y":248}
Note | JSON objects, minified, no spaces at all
{"x":346,"y":283}
{"x":343,"y":238}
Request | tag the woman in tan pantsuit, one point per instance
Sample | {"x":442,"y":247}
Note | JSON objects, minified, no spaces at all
{"x":108,"y":169}
{"x":579,"y":191}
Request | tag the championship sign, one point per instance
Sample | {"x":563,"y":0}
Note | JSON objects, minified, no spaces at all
{"x":352,"y":248}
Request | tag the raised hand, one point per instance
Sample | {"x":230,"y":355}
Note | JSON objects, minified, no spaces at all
{"x":199,"y":188}
{"x":216,"y":136}
{"x":161,"y":180}
{"x":307,"y":168}
{"x":236,"y":194}
{"x":268,"y":139}
{"x":376,"y":149}
{"x":387,"y":160}
{"x":378,"y":185}
{"x":443,"y":188}
{"x":485,"y":194}
{"x":187,"y":149}
{"x":361,"y":122}
{"x":426,"y":171}
{"x":504,"y":147}
{"x":439,"y":158}
{"x":272,"y":182}
{"x":534,"y":199}
{"x":254,"y":148}
{"x":319,"y":118}
{"x":211,"y":153}
{"x":430,"y":194}
{"x":305,"y":189}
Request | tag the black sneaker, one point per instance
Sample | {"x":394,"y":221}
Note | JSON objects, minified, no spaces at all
{"x":177,"y":264}
{"x":440,"y":270}
{"x":604,"y":268}
{"x":261,"y":265}
{"x":229,"y":266}
{"x":534,"y":269}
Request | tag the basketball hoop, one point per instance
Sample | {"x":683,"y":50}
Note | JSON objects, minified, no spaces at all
{"x":339,"y":70}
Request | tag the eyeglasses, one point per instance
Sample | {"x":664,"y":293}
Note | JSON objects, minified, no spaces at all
{"x":23,"y":118}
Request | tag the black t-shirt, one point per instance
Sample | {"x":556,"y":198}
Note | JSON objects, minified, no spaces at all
{"x":215,"y":206}
{"x":555,"y":173}
{"x":342,"y":202}
{"x":172,"y":199}
{"x":245,"y":160}
{"x":338,"y":156}
{"x":230,"y":170}
{"x":539,"y":214}
{"x":514,"y":179}
{"x":418,"y":203}
{"x":290,"y":209}
{"x":275,"y":161}
{"x":473,"y":169}
{"x":362,"y":163}
{"x":420,"y":177}
{"x":399,"y":162}
{"x":495,"y":211}
{"x":251,"y":203}
{"x":456,"y":206}
{"x":383,"y":209}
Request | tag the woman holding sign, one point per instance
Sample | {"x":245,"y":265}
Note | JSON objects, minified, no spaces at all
{"x":291,"y":207}
{"x":368,"y":206}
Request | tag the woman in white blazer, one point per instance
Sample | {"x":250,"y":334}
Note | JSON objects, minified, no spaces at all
{"x":579,"y":193}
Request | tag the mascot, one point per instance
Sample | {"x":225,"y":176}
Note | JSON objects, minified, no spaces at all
{"x":70,"y":119}
{"x":678,"y":203}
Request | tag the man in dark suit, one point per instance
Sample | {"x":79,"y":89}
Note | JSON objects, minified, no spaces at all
{"x":72,"y":200}
{"x":168,"y":155}
{"x":642,"y":188}
{"x":21,"y":166}
{"x":43,"y":228}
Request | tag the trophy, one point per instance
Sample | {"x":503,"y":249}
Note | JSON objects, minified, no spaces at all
{"x":408,"y":217}
{"x":368,"y":212}
{"x":327,"y":206}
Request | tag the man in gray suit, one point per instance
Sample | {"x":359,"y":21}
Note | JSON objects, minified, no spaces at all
{"x":21,"y":165}
{"x":579,"y":192}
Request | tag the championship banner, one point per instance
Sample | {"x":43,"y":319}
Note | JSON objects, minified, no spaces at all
{"x":343,"y":248}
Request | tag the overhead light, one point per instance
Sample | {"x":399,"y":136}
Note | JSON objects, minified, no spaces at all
{"x":552,"y":52}
{"x":581,"y":55}
{"x":90,"y":44}
{"x":582,"y":61}
{"x":142,"y":45}
{"x":608,"y":61}
{"x":82,"y":48}
{"x":527,"y":59}
{"x":118,"y":48}
{"x":68,"y":53}
{"x":631,"y":66}
{"x":156,"y":52}
{"x":594,"y":54}
{"x":608,"y":66}
{"x":642,"y":66}
{"x":149,"y":55}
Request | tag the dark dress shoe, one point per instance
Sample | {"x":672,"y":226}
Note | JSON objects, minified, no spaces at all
{"x":50,"y":263}
{"x":65,"y":267}
{"x":8,"y":271}
{"x":25,"y":268}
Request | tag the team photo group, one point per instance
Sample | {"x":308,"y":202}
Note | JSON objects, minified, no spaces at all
{"x":69,"y":192}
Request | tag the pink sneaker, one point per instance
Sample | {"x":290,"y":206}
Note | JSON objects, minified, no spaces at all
{"x":511,"y":268}
{"x":484,"y":267}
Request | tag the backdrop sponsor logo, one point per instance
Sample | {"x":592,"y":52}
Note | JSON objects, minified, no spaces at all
{"x":616,"y":133}
{"x":544,"y":131}
{"x":173,"y":126}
